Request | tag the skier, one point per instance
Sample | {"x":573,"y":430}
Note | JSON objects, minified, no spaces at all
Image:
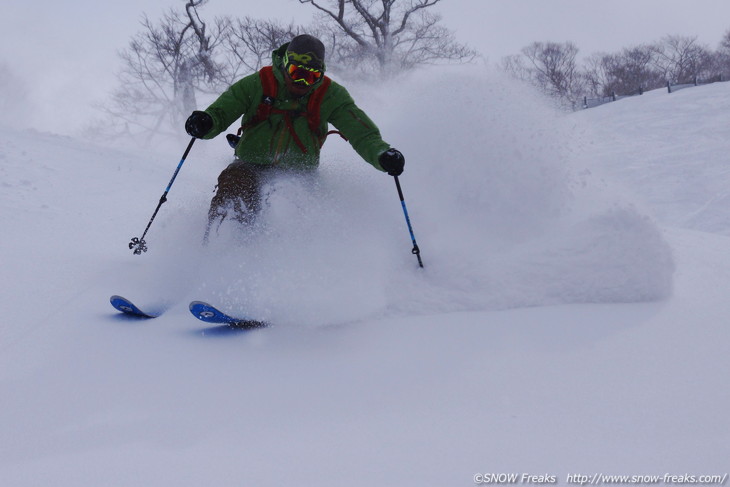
{"x":286,"y":109}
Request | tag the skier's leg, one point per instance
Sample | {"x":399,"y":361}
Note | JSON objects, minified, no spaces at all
{"x":237,"y":192}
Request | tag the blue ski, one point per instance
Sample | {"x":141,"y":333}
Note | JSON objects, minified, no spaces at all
{"x":129,"y":308}
{"x":211,"y":314}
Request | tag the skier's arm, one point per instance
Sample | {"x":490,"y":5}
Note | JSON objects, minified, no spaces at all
{"x":234,"y":102}
{"x":355,"y":125}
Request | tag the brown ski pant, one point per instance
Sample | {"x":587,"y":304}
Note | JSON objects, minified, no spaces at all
{"x":238,"y":194}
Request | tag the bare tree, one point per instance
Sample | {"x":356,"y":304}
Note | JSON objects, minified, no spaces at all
{"x":595,"y":74}
{"x":385,"y":36}
{"x":163,"y":68}
{"x":551,"y":67}
{"x":682,"y":59}
{"x":722,"y":56}
{"x":249,"y":44}
{"x":516,"y":67}
{"x":630,"y":71}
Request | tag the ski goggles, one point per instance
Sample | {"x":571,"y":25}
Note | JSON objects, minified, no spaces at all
{"x":304,"y":75}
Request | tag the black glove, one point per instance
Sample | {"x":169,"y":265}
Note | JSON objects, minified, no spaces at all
{"x":392,"y":162}
{"x":198,"y":124}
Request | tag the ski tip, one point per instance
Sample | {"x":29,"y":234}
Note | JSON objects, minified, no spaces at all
{"x":204,"y":312}
{"x":128,"y":308}
{"x":210,"y":314}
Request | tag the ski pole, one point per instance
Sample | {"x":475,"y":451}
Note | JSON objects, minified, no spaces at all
{"x":416,"y":251}
{"x":138,"y":244}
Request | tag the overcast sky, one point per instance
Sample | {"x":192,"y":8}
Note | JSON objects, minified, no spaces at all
{"x":66,"y":51}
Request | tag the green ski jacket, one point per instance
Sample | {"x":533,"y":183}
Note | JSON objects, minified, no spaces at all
{"x":270,"y":142}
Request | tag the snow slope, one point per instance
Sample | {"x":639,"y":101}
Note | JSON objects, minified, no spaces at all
{"x":571,"y":317}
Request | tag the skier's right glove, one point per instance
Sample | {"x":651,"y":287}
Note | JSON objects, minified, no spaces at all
{"x":198,"y":124}
{"x":392,"y":162}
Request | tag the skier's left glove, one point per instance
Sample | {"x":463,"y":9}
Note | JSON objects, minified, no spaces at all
{"x":198,"y":124}
{"x":392,"y":162}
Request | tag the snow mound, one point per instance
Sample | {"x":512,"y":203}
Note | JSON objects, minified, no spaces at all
{"x":677,"y":145}
{"x":507,"y":215}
